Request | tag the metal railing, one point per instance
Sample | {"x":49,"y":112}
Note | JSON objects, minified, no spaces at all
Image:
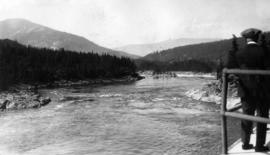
{"x":230,"y":112}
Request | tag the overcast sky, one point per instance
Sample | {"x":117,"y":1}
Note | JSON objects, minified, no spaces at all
{"x":114,"y":23}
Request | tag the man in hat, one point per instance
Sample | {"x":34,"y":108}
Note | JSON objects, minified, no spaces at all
{"x":249,"y":87}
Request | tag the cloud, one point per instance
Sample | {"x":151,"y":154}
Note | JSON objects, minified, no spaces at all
{"x":118,"y":22}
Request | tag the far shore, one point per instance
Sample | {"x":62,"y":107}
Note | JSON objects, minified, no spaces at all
{"x":27,"y":96}
{"x":86,"y":82}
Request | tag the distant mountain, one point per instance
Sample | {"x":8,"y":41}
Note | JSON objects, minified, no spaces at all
{"x":36,"y":35}
{"x":144,"y":49}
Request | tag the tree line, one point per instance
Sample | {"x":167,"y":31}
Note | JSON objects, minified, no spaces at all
{"x":183,"y":65}
{"x":26,"y":64}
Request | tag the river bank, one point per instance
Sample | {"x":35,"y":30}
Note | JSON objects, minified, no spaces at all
{"x":211,"y":92}
{"x":27,"y":96}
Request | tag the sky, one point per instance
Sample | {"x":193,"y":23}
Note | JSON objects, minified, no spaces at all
{"x":114,"y":23}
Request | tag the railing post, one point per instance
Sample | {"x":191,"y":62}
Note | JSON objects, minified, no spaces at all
{"x":223,"y":110}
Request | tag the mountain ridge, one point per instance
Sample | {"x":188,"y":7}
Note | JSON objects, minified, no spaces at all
{"x":30,"y":33}
{"x":144,"y":49}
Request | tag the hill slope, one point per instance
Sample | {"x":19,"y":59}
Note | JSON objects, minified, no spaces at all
{"x":36,"y":35}
{"x":199,"y":57}
{"x":144,"y":49}
{"x":204,"y":51}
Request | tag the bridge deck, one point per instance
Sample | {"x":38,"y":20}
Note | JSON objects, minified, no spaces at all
{"x":236,"y":148}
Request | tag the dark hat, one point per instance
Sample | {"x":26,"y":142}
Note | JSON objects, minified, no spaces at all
{"x":251,"y":33}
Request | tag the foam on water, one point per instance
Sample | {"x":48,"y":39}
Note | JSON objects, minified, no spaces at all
{"x":110,"y":95}
{"x":150,"y":116}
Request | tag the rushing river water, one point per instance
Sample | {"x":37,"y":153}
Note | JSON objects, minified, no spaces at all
{"x":151,"y":116}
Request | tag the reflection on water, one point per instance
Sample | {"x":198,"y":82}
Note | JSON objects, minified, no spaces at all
{"x":151,"y":116}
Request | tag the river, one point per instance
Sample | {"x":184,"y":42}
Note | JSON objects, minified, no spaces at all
{"x":150,"y":116}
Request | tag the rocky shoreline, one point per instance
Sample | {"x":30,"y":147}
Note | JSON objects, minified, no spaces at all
{"x":211,"y":92}
{"x":27,"y":96}
{"x":22,"y":97}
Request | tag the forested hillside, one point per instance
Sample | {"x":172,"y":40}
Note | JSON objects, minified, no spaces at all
{"x":203,"y":57}
{"x":204,"y":51}
{"x":19,"y":63}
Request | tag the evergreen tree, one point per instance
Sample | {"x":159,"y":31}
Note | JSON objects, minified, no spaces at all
{"x":26,"y":64}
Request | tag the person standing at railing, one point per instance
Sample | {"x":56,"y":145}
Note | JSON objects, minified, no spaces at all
{"x":265,"y":45}
{"x":249,"y":87}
